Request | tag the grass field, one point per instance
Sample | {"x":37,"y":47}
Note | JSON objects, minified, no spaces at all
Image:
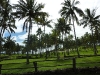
{"x":80,"y":63}
{"x":11,"y":66}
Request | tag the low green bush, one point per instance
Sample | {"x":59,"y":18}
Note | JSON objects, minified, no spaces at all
{"x":23,"y":57}
{"x":5,"y":57}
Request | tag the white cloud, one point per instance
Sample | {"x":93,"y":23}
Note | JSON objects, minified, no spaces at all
{"x":19,"y":25}
{"x":22,"y":37}
{"x":17,"y":40}
{"x":20,"y":43}
{"x":14,"y":38}
{"x":53,"y":7}
{"x":80,"y":30}
{"x":13,"y":1}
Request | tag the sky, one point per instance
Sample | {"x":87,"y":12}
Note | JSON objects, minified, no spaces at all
{"x":52,"y":7}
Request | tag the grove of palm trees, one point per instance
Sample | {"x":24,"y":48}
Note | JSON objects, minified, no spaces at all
{"x":59,"y":47}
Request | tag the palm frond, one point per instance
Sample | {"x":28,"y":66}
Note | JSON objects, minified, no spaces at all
{"x":77,"y":2}
{"x":79,"y":11}
{"x":97,"y":17}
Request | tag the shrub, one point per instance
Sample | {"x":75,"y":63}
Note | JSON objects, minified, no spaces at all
{"x":23,"y":57}
{"x":5,"y":57}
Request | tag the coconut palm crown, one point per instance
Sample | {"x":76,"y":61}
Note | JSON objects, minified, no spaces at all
{"x":29,"y":10}
{"x":68,"y":11}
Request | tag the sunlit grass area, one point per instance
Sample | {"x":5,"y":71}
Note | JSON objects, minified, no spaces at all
{"x":47,"y":65}
{"x":87,"y":59}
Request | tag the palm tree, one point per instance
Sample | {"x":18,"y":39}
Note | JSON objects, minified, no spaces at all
{"x":55,"y":40}
{"x":63,"y":27}
{"x":9,"y":45}
{"x":90,"y":19}
{"x":42,"y":42}
{"x":45,"y":22}
{"x":2,"y":3}
{"x":7,"y":21}
{"x":67,"y":44}
{"x":17,"y":48}
{"x":46,"y":39}
{"x":29,"y":10}
{"x":33,"y":43}
{"x":69,"y":11}
{"x":86,"y":40}
{"x":39,"y":32}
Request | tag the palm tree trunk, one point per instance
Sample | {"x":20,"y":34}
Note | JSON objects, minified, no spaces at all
{"x":56,"y":50}
{"x":45,"y":43}
{"x":94,"y":46}
{"x":46,"y":52}
{"x":67,"y":51}
{"x":56,"y":46}
{"x":39,"y":45}
{"x":27,"y":60}
{"x":32,"y":52}
{"x":63,"y":44}
{"x":62,"y":41}
{"x":0,"y":44}
{"x":75,"y":39}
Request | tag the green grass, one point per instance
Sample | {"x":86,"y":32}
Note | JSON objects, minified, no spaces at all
{"x":84,"y":61}
{"x":88,"y":61}
{"x":22,"y":64}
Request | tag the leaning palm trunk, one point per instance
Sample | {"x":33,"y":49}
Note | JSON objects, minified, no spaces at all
{"x":75,"y":40}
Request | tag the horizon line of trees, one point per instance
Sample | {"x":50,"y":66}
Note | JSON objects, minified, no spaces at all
{"x":30,"y":11}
